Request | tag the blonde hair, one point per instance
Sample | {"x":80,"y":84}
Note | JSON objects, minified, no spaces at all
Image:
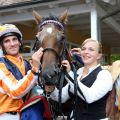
{"x":92,"y":40}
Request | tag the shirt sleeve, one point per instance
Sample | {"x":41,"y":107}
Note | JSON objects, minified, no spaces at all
{"x":65,"y":95}
{"x":15,"y":88}
{"x":101,"y":86}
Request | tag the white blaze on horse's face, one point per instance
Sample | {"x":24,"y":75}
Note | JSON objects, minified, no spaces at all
{"x":49,"y":30}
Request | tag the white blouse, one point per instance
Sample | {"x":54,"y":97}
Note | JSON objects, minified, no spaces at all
{"x":101,"y":86}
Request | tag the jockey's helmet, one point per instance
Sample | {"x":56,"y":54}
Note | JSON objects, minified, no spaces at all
{"x":9,"y":30}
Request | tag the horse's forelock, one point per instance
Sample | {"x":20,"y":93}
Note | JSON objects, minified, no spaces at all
{"x":53,"y":17}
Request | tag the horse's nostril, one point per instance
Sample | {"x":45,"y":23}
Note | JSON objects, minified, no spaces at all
{"x":50,"y":76}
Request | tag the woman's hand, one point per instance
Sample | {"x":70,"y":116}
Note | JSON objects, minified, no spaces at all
{"x":66,"y":64}
{"x":75,"y":51}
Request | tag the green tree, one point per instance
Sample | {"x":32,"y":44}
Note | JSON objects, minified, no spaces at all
{"x":115,"y":57}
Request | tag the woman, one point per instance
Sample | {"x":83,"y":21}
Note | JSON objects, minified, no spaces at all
{"x":94,"y":84}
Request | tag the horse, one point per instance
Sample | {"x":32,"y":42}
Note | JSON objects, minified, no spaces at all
{"x":51,"y":37}
{"x":114,"y":69}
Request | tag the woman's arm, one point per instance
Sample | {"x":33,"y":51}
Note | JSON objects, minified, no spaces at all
{"x":101,"y":86}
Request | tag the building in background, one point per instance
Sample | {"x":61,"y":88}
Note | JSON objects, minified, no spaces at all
{"x":99,"y":19}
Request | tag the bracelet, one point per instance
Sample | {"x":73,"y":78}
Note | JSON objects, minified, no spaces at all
{"x":35,"y":71}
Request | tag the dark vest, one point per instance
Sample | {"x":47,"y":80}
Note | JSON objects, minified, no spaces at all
{"x":95,"y":110}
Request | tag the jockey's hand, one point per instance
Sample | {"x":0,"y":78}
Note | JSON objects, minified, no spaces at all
{"x":66,"y":64}
{"x":36,"y":58}
{"x":49,"y":88}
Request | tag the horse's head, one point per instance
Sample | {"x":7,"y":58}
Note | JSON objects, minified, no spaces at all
{"x":51,"y":36}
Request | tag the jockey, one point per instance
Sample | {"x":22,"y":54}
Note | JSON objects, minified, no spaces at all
{"x":17,"y":77}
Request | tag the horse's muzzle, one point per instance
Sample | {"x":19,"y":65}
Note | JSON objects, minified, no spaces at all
{"x":50,"y":76}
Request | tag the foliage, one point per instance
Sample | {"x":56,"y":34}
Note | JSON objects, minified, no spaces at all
{"x":115,"y":57}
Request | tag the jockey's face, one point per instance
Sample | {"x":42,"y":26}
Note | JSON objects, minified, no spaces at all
{"x":11,"y":45}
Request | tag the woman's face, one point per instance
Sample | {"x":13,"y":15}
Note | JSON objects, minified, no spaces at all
{"x":90,"y":53}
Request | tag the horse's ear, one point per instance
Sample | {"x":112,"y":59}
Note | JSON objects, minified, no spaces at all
{"x":37,"y":17}
{"x":64,"y":17}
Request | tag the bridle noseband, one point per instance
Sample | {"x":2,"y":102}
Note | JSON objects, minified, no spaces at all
{"x":54,"y":51}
